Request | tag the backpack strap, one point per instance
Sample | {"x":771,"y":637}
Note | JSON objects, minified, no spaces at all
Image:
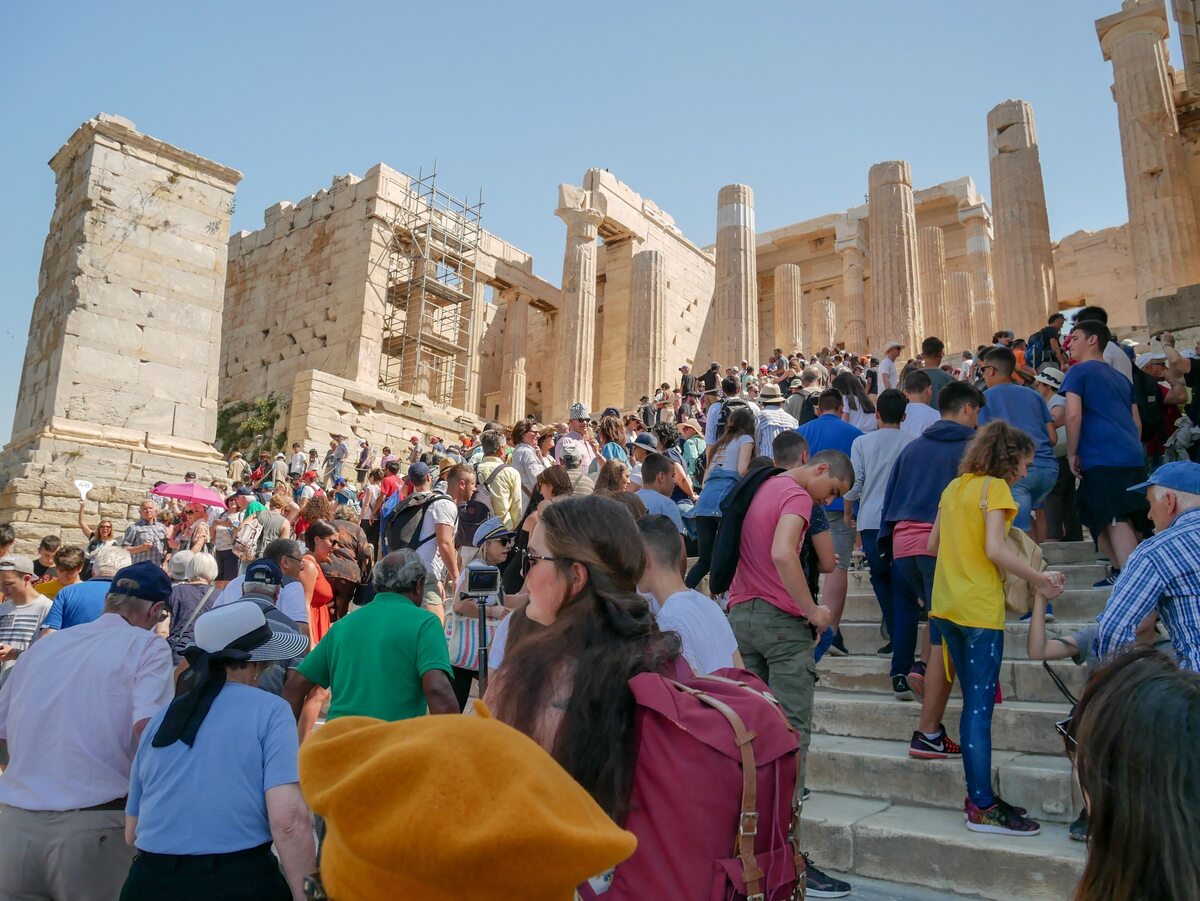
{"x":983,"y":496}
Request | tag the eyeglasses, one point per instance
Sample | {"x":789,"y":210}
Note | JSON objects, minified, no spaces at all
{"x":1063,"y":728}
{"x":528,"y":559}
{"x":291,"y":557}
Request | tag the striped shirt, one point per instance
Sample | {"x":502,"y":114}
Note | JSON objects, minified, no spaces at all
{"x":772,"y":421}
{"x":1163,"y":573}
{"x":142,"y":532}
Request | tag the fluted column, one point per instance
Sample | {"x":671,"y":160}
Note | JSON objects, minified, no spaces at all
{"x":1163,"y":233}
{"x":1022,"y":259}
{"x":976,"y":221}
{"x":577,"y":318}
{"x":931,"y":254}
{"x":851,"y":245}
{"x":896,"y":292}
{"x":513,"y":383}
{"x":466,"y":394}
{"x":824,"y":325}
{"x":959,"y":334}
{"x":789,"y":308}
{"x":645,"y":361}
{"x":736,"y":301}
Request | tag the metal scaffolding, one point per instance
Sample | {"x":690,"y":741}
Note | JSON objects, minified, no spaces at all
{"x":427,"y":324}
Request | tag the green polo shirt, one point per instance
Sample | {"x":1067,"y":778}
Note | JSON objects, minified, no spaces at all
{"x":373,"y":659}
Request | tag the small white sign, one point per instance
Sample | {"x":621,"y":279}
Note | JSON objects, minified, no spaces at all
{"x":84,"y":487}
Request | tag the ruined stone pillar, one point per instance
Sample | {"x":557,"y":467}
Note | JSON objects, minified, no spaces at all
{"x":1022,"y":258}
{"x":896,"y":293}
{"x":976,"y":222}
{"x":1163,"y":233}
{"x":789,"y":308}
{"x":959,"y":335}
{"x":513,"y":384}
{"x":931,"y":253}
{"x":467,"y":394}
{"x":577,"y":319}
{"x":823,"y":327}
{"x":646,"y":361}
{"x":736,"y":301}
{"x":851,"y":245}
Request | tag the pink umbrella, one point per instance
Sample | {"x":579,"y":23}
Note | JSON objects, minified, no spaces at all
{"x":190,"y":492}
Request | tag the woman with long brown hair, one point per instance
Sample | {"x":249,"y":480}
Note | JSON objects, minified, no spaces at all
{"x":728,"y":463}
{"x":565,"y":684}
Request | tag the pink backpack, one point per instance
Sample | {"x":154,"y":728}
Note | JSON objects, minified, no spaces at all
{"x":713,"y":785}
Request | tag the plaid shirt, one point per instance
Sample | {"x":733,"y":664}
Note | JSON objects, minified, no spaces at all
{"x":142,"y":532}
{"x":1163,"y":573}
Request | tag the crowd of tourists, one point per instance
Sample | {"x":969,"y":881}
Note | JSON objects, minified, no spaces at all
{"x":212,"y":699}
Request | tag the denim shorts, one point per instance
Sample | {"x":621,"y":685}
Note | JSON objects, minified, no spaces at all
{"x":1030,"y":493}
{"x":843,"y":537}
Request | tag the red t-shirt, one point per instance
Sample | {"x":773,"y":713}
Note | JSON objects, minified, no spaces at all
{"x":390,"y":485}
{"x":911,"y":539}
{"x":756,"y":575}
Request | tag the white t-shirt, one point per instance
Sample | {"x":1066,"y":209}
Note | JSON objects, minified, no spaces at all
{"x":728,"y":457}
{"x":708,"y":642}
{"x":499,"y":640}
{"x":442,"y":511}
{"x":1115,"y":356}
{"x":887,"y":373}
{"x":918,"y":417}
{"x":290,"y":601}
{"x":861,"y":420}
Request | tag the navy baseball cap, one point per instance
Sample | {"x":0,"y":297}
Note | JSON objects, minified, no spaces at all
{"x":647,"y":441}
{"x":1178,"y":476}
{"x":419,"y":471}
{"x":264,"y":572}
{"x":143,"y":580}
{"x":245,"y":492}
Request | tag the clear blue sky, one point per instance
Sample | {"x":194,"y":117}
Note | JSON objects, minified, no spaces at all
{"x":796,"y":99}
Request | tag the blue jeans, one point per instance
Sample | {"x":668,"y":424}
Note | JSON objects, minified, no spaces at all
{"x":881,"y":576}
{"x":976,"y":654}
{"x":912,"y":580}
{"x":1030,"y":493}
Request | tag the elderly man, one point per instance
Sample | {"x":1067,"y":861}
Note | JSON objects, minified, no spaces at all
{"x":83,"y":602}
{"x":502,"y":481}
{"x":389,"y":660}
{"x":1163,"y":573}
{"x":773,"y":419}
{"x":576,"y":438}
{"x":146,"y":539}
{"x":263,"y":584}
{"x":71,"y":714}
{"x":284,"y":553}
{"x":525,"y":459}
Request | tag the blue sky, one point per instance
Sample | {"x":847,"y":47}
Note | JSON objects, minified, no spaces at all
{"x":677,"y":99}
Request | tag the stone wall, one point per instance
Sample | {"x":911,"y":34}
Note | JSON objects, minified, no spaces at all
{"x":1096,"y":268}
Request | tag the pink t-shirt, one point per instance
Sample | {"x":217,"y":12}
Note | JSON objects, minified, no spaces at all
{"x":756,"y":575}
{"x":911,"y":539}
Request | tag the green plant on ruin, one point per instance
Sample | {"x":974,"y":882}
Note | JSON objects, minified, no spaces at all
{"x":249,"y":426}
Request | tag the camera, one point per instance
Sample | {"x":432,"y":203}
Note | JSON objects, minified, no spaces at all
{"x":482,"y":581}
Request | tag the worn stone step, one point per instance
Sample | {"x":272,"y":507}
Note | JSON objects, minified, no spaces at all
{"x":930,"y":847}
{"x":1079,"y":575}
{"x":883,"y":770}
{"x":1054,"y":552}
{"x":864,"y":638}
{"x":1026,"y":726}
{"x":1073,"y":604}
{"x":1020,"y":680}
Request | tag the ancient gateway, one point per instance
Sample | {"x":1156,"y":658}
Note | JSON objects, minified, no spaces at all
{"x":380,"y":306}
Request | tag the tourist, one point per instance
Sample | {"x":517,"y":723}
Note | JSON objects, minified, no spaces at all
{"x":370,"y":506}
{"x":389,"y":485}
{"x":612,"y":439}
{"x":1062,"y":517}
{"x":315,"y":508}
{"x":644,"y":444}
{"x":146,"y":539}
{"x":236,"y":467}
{"x":389,"y":660}
{"x":670,"y":442}
{"x":857,"y":408}
{"x":297,"y":463}
{"x":503,"y":482}
{"x":68,"y":569}
{"x":189,"y":599}
{"x":287,"y":554}
{"x":436,"y":534}
{"x":366,"y":460}
{"x":692,"y":449}
{"x":707,"y":639}
{"x":577,"y":438}
{"x":657,"y":484}
{"x":191,"y":532}
{"x":1111,"y":351}
{"x":581,"y":483}
{"x":221,"y":731}
{"x":933,"y":350}
{"x":1051,"y":340}
{"x":263,"y":585}
{"x":279,"y":470}
{"x":83,"y":601}
{"x":802,"y":398}
{"x":343,"y":495}
{"x":71,"y":714}
{"x":887,"y":366}
{"x":968,"y":601}
{"x":348,"y":568}
{"x":314,"y":461}
{"x":101,"y":536}
{"x":22,"y":610}
{"x":1160,"y":396}
{"x":1162,"y":575}
{"x":224,"y":531}
{"x":43,"y":564}
{"x":728,"y":461}
{"x":720,"y":411}
{"x":1104,"y":446}
{"x":319,"y":541}
{"x":525,"y":458}
{"x":613,"y":478}
{"x":773,"y":419}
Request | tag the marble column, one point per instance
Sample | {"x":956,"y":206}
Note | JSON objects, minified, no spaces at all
{"x":1163,"y":233}
{"x":931,"y":254}
{"x":823,"y":327}
{"x":513,"y":383}
{"x":851,"y":245}
{"x":789,"y":308}
{"x":466,"y":393}
{"x":896,"y":292}
{"x":1021,"y":259}
{"x":577,"y":317}
{"x":976,"y":221}
{"x":736,"y":298}
{"x":959,"y":335}
{"x":645,"y":361}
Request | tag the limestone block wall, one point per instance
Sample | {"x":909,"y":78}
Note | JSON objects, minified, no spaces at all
{"x":1097,"y":268}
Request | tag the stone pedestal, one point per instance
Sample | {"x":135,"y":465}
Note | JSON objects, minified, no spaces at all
{"x":895,"y":290}
{"x":1022,"y":261}
{"x":976,"y":221}
{"x":1163,"y":232}
{"x":789,"y":308}
{"x":735,"y":305}
{"x":851,"y":245}
{"x":646,"y":363}
{"x":823,"y":327}
{"x":959,"y":330}
{"x":513,"y":381}
{"x":583,"y":213}
{"x":120,"y":379}
{"x":931,"y":254}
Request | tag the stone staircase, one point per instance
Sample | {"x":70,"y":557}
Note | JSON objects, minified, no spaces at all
{"x":878,"y":813}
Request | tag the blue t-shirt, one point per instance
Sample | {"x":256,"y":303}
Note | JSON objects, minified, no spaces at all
{"x":1023,"y":408}
{"x":77,"y":604}
{"x":210,"y":798}
{"x":1107,"y":434}
{"x":614,"y":451}
{"x":660,"y":505}
{"x":829,"y":432}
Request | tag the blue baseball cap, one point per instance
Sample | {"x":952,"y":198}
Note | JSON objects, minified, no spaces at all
{"x":418,"y":472}
{"x":264,"y":572}
{"x":490,"y":528}
{"x":1180,"y":476}
{"x":143,"y":580}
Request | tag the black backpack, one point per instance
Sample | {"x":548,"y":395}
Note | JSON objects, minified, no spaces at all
{"x":728,"y":406}
{"x":727,"y":547}
{"x":402,"y":527}
{"x":1149,"y":403}
{"x":477,"y":510}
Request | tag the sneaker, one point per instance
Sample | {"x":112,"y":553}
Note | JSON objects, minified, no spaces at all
{"x":900,"y":689}
{"x":821,"y":885}
{"x":1019,"y":811}
{"x":806,"y":794}
{"x":885,"y":651}
{"x":916,"y":679}
{"x":837,"y":648}
{"x":1108,"y":581}
{"x":1000,"y":819}
{"x":1025,"y":617}
{"x":1078,"y":830}
{"x":933,"y":748}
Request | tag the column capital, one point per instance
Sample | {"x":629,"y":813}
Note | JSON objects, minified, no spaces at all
{"x":1135,"y":16}
{"x":975,"y":211}
{"x":849,"y":235}
{"x":579,"y":208}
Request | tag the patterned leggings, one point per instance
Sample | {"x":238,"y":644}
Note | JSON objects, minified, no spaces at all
{"x":976,"y":654}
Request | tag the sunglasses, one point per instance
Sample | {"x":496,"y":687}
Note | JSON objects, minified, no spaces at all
{"x":528,"y":559}
{"x":1063,"y":728}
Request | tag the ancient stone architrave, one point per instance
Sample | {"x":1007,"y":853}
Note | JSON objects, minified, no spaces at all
{"x":120,"y":379}
{"x":977,"y":221}
{"x":789,"y":308}
{"x":960,"y":334}
{"x":736,"y":300}
{"x":1022,"y":261}
{"x":646,"y":367}
{"x":896,"y":294}
{"x":577,"y":325}
{"x":931,"y":254}
{"x":1163,"y":231}
{"x":513,"y":381}
{"x":823,"y":327}
{"x":851,"y":245}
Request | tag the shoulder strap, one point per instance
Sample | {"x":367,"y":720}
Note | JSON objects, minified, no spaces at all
{"x":983,"y":505}
{"x":199,"y":609}
{"x":487,"y":483}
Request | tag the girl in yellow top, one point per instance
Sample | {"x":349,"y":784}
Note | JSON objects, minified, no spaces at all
{"x":974,"y":516}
